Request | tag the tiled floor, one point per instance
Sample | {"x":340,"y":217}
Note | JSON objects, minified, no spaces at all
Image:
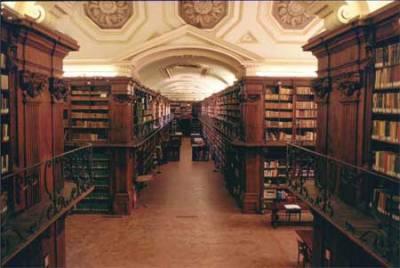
{"x":185,"y":218}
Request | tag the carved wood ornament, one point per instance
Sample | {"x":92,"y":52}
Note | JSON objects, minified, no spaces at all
{"x":59,"y":88}
{"x":349,"y":83}
{"x":321,"y":86}
{"x":247,"y":97}
{"x":124,"y":98}
{"x":33,"y":84}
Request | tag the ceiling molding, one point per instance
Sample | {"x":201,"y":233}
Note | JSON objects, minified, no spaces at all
{"x":199,"y":35}
{"x":281,"y":35}
{"x":125,"y":33}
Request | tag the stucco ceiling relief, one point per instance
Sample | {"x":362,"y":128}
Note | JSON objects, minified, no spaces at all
{"x":291,"y":14}
{"x":109,"y":14}
{"x":203,"y":14}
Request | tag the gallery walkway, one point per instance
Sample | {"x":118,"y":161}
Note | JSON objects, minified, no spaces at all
{"x":185,"y":218}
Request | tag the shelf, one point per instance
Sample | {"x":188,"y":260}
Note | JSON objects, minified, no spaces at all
{"x":386,"y":141}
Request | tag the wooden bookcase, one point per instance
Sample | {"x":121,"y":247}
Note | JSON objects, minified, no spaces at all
{"x":123,"y":120}
{"x":32,"y":99}
{"x":290,"y":116}
{"x":248,"y":126}
{"x":357,"y":93}
{"x":88,"y":118}
{"x":6,"y":99}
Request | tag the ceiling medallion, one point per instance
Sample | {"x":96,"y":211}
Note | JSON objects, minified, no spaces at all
{"x":291,"y":14}
{"x":109,"y":14}
{"x":203,"y":14}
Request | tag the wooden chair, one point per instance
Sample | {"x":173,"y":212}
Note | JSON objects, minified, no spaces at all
{"x":303,"y":256}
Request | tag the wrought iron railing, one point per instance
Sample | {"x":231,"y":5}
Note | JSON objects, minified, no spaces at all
{"x":38,"y":195}
{"x":344,"y":194}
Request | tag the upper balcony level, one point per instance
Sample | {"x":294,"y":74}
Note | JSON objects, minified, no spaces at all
{"x":33,"y":198}
{"x":361,"y":204}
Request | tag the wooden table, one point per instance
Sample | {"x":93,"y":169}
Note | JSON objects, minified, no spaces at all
{"x":307,"y":237}
{"x":281,"y":215}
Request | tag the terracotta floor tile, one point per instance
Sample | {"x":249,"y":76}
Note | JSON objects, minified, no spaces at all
{"x":185,"y":218}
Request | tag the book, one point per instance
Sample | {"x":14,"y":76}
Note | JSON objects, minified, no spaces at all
{"x":387,"y":162}
{"x":387,"y":204}
{"x":304,"y":91}
{"x":306,"y":105}
{"x":4,"y":82}
{"x":5,"y":132}
{"x":3,"y":61}
{"x":386,"y":103}
{"x":386,"y":130}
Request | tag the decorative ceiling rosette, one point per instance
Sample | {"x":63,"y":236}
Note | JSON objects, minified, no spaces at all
{"x":109,"y":14}
{"x":203,"y":14}
{"x":292,"y":14}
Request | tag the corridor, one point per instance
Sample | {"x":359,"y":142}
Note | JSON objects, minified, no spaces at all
{"x":185,"y":218}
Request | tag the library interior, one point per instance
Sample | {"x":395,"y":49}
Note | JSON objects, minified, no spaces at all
{"x":200,"y":134}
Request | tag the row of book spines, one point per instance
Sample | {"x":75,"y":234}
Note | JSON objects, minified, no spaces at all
{"x":306,"y":113}
{"x":307,"y":136}
{"x":278,"y":114}
{"x":283,"y":136}
{"x":306,"y":105}
{"x":386,"y":204}
{"x":388,"y":77}
{"x":88,"y":136}
{"x":91,"y":124}
{"x":274,"y":164}
{"x":5,"y":163}
{"x":289,"y":91}
{"x":278,"y":124}
{"x":275,"y":105}
{"x":386,"y":102}
{"x":306,"y":123}
{"x":275,"y":194}
{"x":89,"y":115}
{"x":299,"y":123}
{"x":4,"y":82}
{"x":101,"y":94}
{"x":278,"y":97}
{"x":274,"y":173}
{"x":387,"y":55}
{"x":387,"y":162}
{"x":386,"y":130}
{"x":5,"y":133}
{"x":89,"y":107}
{"x":277,"y":136}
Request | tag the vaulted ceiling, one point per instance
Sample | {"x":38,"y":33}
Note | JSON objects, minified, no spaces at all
{"x":187,"y":50}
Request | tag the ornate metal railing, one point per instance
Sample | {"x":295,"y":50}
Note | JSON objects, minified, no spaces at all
{"x":344,"y":195}
{"x":38,"y":195}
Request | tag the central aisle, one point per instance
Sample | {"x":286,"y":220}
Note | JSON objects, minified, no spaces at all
{"x":185,"y":218}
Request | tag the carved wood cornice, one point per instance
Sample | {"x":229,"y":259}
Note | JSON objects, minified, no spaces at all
{"x":59,"y":88}
{"x":247,"y":97}
{"x":33,"y":84}
{"x":124,"y":98}
{"x":12,"y":57}
{"x":321,"y":86}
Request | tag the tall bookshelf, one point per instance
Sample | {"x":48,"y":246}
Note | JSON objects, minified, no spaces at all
{"x":290,"y":116}
{"x":88,"y":114}
{"x":120,"y":117}
{"x":248,"y":126}
{"x":357,"y":93}
{"x":87,"y":120}
{"x":385,"y":133}
{"x":6,"y":150}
